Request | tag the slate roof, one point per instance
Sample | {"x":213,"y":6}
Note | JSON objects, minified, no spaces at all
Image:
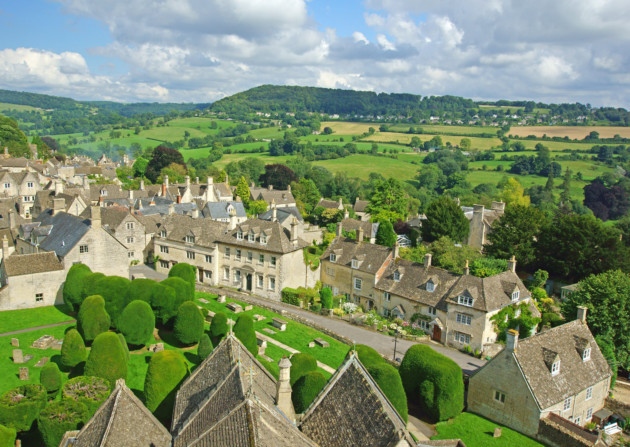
{"x":121,"y":421}
{"x":278,"y":239}
{"x":220,"y":210}
{"x":17,"y":265}
{"x":282,"y":214}
{"x":373,"y":256}
{"x":66,"y":231}
{"x":351,"y":411}
{"x":565,"y":342}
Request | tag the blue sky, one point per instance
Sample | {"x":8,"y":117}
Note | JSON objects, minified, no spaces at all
{"x":202,"y":50}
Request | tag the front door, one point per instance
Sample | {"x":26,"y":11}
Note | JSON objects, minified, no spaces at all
{"x":248,"y":278}
{"x":437,"y":333}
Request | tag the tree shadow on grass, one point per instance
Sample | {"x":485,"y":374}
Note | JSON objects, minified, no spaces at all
{"x":192,"y":358}
{"x":168,"y":336}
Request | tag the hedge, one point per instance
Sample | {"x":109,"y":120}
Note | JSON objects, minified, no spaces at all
{"x":170,"y":305}
{"x":73,"y":286}
{"x":107,"y":359}
{"x":7,"y":436}
{"x":58,"y":418}
{"x":218,"y":327}
{"x":205,"y":348}
{"x":301,"y":363}
{"x":124,"y":345}
{"x":51,"y":379}
{"x":115,"y":291}
{"x":167,"y":369}
{"x":186,"y":272}
{"x":137,"y":322}
{"x":88,"y":390}
{"x":244,"y":331}
{"x":369,"y":356}
{"x":163,"y":298}
{"x":73,"y":350}
{"x":93,"y":319}
{"x":20,"y":406}
{"x":189,"y":323}
{"x":89,"y":284}
{"x":141,"y":289}
{"x":299,"y":295}
{"x":433,"y":381}
{"x":326,"y":298}
{"x":306,"y":388}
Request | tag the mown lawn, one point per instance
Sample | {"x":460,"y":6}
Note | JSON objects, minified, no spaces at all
{"x":476,"y":431}
{"x":14,"y":320}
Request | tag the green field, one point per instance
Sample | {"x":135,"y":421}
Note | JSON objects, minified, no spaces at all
{"x":405,"y":138}
{"x":20,"y":108}
{"x":436,"y":129}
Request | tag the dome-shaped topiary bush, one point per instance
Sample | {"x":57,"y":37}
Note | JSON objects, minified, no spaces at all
{"x":137,"y":323}
{"x":73,"y":350}
{"x":107,"y":358}
{"x":7,"y":436}
{"x":115,"y":291}
{"x":58,"y":418}
{"x":326,"y":297}
{"x":389,"y":381}
{"x":93,"y":319}
{"x":306,"y":388}
{"x":186,"y":272}
{"x":369,"y":356}
{"x":50,"y":377}
{"x":218,"y":327}
{"x":167,"y":370}
{"x":73,"y":286}
{"x":20,"y":406}
{"x":205,"y":348}
{"x":88,"y":390}
{"x":244,"y":331}
{"x":189,"y":323}
{"x":301,"y":363}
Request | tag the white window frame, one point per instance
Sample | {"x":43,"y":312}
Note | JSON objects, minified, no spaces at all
{"x":39,"y":297}
{"x":84,"y":248}
{"x":130,"y":239}
{"x":30,"y":184}
{"x":130,"y":225}
{"x":589,"y":414}
{"x":272,"y":283}
{"x":555,"y":368}
{"x":499,"y":396}
{"x":430,"y":286}
{"x":226,"y":273}
{"x":261,"y":259}
{"x":239,"y":235}
{"x":190,"y":239}
{"x":465,"y":300}
{"x":273,"y":261}
{"x":263,"y":239}
{"x":237,"y":276}
{"x":515,"y":295}
{"x":237,"y":254}
{"x":251,"y":237}
{"x":432,"y":311}
{"x":387,"y":297}
{"x":355,"y":264}
{"x":209,"y":259}
{"x":163,"y":249}
{"x":227,"y":253}
{"x":586,"y":354}
{"x":464,"y":319}
{"x":462,"y":338}
{"x":357,"y":283}
{"x":589,"y":393}
{"x":163,"y":233}
{"x":250,"y":257}
{"x":396,"y":276}
{"x":333,"y":257}
{"x":190,"y":255}
{"x":7,"y":185}
{"x":260,"y":281}
{"x":567,"y":404}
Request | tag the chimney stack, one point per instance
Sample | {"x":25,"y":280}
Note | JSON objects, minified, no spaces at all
{"x":396,"y":251}
{"x":86,"y":182}
{"x":166,"y":181}
{"x":58,"y":187}
{"x":466,"y":268}
{"x":283,"y":389}
{"x":163,"y":189}
{"x":346,"y":214}
{"x":58,"y":205}
{"x":5,"y":247}
{"x":339,"y":229}
{"x":581,"y":313}
{"x":512,"y":264}
{"x":498,"y":206}
{"x":187,"y":181}
{"x":427,"y":260}
{"x":274,"y":211}
{"x":511,"y":341}
{"x":195,"y":213}
{"x":270,"y":187}
{"x":141,"y":185}
{"x":12,"y":222}
{"x":289,"y":187}
{"x":131,"y":194}
{"x":294,"y":231}
{"x":196,"y":180}
{"x":171,"y":209}
{"x":95,"y":216}
{"x":210,"y":181}
{"x":360,"y":234}
{"x":179,"y":197}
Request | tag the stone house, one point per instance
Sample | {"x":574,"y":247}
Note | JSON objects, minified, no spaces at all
{"x":361,"y":209}
{"x":481,"y":221}
{"x":352,"y":268}
{"x":127,"y":229}
{"x":559,"y":371}
{"x":22,"y":186}
{"x":223,"y":211}
{"x":279,"y":198}
{"x":73,"y":203}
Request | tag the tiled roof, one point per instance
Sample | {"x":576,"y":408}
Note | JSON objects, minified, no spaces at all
{"x":282,"y":214}
{"x":277,"y":238}
{"x":16,"y":265}
{"x":360,"y":206}
{"x":369,"y":228}
{"x":280,"y":197}
{"x":351,"y":411}
{"x":205,"y":231}
{"x":325,"y":203}
{"x":121,"y":421}
{"x":66,"y":232}
{"x":566,"y":342}
{"x":14,"y":162}
{"x":348,"y":249}
{"x":113,"y":216}
{"x":220,"y":210}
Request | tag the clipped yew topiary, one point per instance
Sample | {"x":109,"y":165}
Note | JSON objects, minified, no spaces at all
{"x":166,"y":371}
{"x":107,"y":359}
{"x":169,"y":305}
{"x":123,"y":343}
{"x":186,"y":272}
{"x":20,"y":406}
{"x":326,"y":297}
{"x":433,"y":381}
{"x":218,"y":327}
{"x":369,"y":356}
{"x":163,"y":298}
{"x":73,"y":287}
{"x":189,"y":323}
{"x":73,"y":350}
{"x":93,"y":319}
{"x":141,"y":289}
{"x":7,"y":436}
{"x":244,"y":331}
{"x":51,"y":379}
{"x":301,"y":363}
{"x":115,"y":291}
{"x":58,"y":418}
{"x":306,"y":388}
{"x":204,"y":349}
{"x":137,"y":323}
{"x":88,"y":390}
{"x":89,"y":284}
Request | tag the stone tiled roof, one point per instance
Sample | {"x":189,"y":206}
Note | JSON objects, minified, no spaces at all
{"x":16,"y":265}
{"x":278,"y":239}
{"x":112,"y":192}
{"x":369,"y":228}
{"x":374,"y":256}
{"x":151,"y":223}
{"x":121,"y":421}
{"x":360,"y":206}
{"x":566,"y":342}
{"x":11,"y":162}
{"x":413,"y":279}
{"x":113,"y":216}
{"x":205,"y":231}
{"x":223,"y":190}
{"x":351,"y":411}
{"x":280,"y":197}
{"x":325,"y":203}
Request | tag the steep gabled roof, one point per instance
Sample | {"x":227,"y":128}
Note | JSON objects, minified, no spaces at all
{"x":121,"y":421}
{"x":17,"y":265}
{"x":66,"y":232}
{"x":206,"y":231}
{"x":278,"y":240}
{"x":351,"y":411}
{"x":369,"y":228}
{"x":347,"y":249}
{"x":221,"y":210}
{"x":282,"y":214}
{"x":566,"y":342}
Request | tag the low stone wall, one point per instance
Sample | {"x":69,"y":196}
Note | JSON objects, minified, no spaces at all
{"x":559,"y":432}
{"x":618,"y":407}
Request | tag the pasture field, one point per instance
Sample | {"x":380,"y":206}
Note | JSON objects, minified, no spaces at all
{"x":437,"y":129}
{"x":360,"y":166}
{"x":573,"y":132}
{"x":349,"y":128}
{"x":268,"y":133}
{"x":171,"y":133}
{"x":20,"y":108}
{"x":201,"y":123}
{"x":405,"y":138}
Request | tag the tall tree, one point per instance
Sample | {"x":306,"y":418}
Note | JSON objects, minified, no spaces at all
{"x":277,"y":175}
{"x":388,"y":200}
{"x":445,"y":218}
{"x":513,"y":193}
{"x":162,"y":157}
{"x":242,"y":191}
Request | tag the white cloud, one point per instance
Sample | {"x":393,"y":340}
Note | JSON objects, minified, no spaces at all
{"x":360,"y":37}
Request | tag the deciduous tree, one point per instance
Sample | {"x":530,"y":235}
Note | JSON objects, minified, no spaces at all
{"x":445,"y":218}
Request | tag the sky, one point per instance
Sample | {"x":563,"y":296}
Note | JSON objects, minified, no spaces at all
{"x":202,"y":50}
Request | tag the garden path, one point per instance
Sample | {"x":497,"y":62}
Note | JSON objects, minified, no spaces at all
{"x":293,"y":351}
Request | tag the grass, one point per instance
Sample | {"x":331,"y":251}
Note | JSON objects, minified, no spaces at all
{"x":360,"y":165}
{"x":476,"y":431}
{"x":20,"y":108}
{"x":446,"y":129}
{"x":573,"y":132}
{"x":405,"y":138}
{"x":13,"y":320}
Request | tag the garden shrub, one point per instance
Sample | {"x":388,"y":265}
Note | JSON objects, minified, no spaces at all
{"x":51,"y":379}
{"x":88,"y":390}
{"x":433,"y":381}
{"x":326,"y":297}
{"x":141,"y":289}
{"x":7,"y":436}
{"x":93,"y":319}
{"x":186,"y":272}
{"x":20,"y":406}
{"x":137,"y":322}
{"x":182,"y":294}
{"x":163,"y":299}
{"x":218,"y":327}
{"x":73,"y":287}
{"x":167,"y":369}
{"x":389,"y":381}
{"x":301,"y":363}
{"x":107,"y":359}
{"x":124,"y":344}
{"x":306,"y":388}
{"x":369,"y":356}
{"x":204,"y":349}
{"x":89,"y":284}
{"x":299,"y":295}
{"x":73,"y":350}
{"x":58,"y":418}
{"x":189,"y":323}
{"x":244,"y":331}
{"x":115,"y":291}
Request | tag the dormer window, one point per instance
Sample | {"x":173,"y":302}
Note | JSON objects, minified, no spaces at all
{"x":333,"y":257}
{"x":163,"y":233}
{"x":515,"y":295}
{"x":190,"y":239}
{"x":239,"y":235}
{"x":555,"y":368}
{"x":251,"y":237}
{"x":263,"y":239}
{"x":465,"y":300}
{"x":396,"y":276}
{"x":586,"y":354}
{"x":103,"y":192}
{"x":355,"y":264}
{"x":430,"y":286}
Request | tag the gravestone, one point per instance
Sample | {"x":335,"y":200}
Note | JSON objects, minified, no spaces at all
{"x":323,"y":343}
{"x":262,"y":345}
{"x":15,"y":342}
{"x":279,"y":324}
{"x":203,"y":300}
{"x":311,"y":344}
{"x":41,"y":362}
{"x":248,"y":307}
{"x":221,"y":299}
{"x":44,"y":342}
{"x":258,"y":317}
{"x":18,"y":356}
{"x":24,"y":373}
{"x":234,"y":307}
{"x":269,"y":331}
{"x":497,"y":432}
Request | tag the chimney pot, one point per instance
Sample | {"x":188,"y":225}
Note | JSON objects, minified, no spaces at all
{"x":581,"y":313}
{"x":512,"y":264}
{"x":427,"y":260}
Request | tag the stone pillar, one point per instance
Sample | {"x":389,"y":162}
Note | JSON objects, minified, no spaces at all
{"x":283,"y":389}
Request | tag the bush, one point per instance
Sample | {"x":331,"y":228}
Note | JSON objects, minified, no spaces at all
{"x":299,"y":295}
{"x":551,"y":319}
{"x":166,"y":371}
{"x":369,"y":356}
{"x":137,"y":322}
{"x":326,"y":298}
{"x":20,"y":406}
{"x":73,"y":350}
{"x":58,"y":418}
{"x":170,"y":306}
{"x":141,"y":289}
{"x":244,"y":331}
{"x":90,"y":391}
{"x":163,"y":298}
{"x":301,"y":363}
{"x":389,"y":381}
{"x":124,"y":345}
{"x":204,"y":349}
{"x":186,"y":272}
{"x":433,"y":381}
{"x":93,"y":319}
{"x":188,"y":324}
{"x":51,"y":379}
{"x":89,"y":282}
{"x":73,"y":287}
{"x":115,"y":291}
{"x":7,"y":436}
{"x":107,"y":359}
{"x":218,"y":327}
{"x":306,"y":388}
